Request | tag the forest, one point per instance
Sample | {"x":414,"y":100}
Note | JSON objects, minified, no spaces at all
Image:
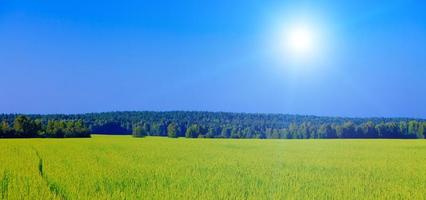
{"x":209,"y":125}
{"x":24,"y":127}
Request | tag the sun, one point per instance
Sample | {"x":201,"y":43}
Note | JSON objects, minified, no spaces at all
{"x":300,"y":40}
{"x":300,"y":45}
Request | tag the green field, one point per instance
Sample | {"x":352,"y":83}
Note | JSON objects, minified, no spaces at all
{"x":122,"y":167}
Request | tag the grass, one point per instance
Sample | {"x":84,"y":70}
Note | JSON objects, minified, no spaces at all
{"x":122,"y":167}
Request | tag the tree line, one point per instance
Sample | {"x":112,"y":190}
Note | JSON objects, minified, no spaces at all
{"x":305,"y":130}
{"x":25,"y":127}
{"x":235,"y":125}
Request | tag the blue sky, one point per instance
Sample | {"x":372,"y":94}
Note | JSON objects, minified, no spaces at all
{"x":79,"y":56}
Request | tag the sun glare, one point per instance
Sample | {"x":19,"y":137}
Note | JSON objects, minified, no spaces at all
{"x":300,"y":40}
{"x":300,"y":45}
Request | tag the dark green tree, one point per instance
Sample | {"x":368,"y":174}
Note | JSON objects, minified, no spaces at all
{"x":326,"y":131}
{"x":24,"y":127}
{"x":193,"y":131}
{"x":412,"y":129}
{"x":212,"y":132}
{"x":235,"y":133}
{"x":382,"y":130}
{"x":421,"y":131}
{"x":139,"y":131}
{"x":226,"y":132}
{"x":172,"y":130}
{"x":7,"y":131}
{"x":293,"y":131}
{"x":348,"y":130}
{"x":369,"y":130}
{"x":2,"y":135}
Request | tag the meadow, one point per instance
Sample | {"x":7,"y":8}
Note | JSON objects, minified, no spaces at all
{"x":122,"y":167}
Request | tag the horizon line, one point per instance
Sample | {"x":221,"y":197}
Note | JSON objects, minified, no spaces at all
{"x":227,"y":112}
